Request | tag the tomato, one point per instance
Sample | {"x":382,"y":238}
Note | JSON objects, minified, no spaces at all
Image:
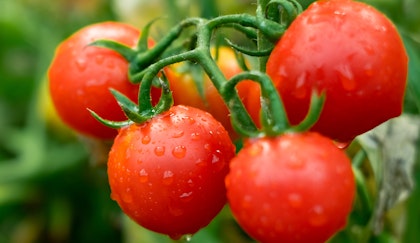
{"x":186,"y":92}
{"x":350,"y":51}
{"x":291,"y":188}
{"x":168,"y":173}
{"x":80,"y":77}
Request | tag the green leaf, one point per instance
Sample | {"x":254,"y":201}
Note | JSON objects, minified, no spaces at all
{"x":413,"y":87}
{"x":122,"y":49}
{"x":131,"y":110}
{"x":108,"y":123}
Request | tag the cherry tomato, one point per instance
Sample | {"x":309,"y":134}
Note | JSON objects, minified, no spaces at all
{"x":186,"y":92}
{"x":168,"y":173}
{"x":350,"y":51}
{"x":80,"y":77}
{"x":291,"y":188}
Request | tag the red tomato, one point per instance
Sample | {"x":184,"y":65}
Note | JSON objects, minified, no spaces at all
{"x":353,"y":53}
{"x":168,"y":173}
{"x":80,"y":77}
{"x":185,"y":90}
{"x":291,"y":188}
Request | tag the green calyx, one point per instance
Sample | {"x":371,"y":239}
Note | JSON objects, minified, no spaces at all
{"x":190,"y":40}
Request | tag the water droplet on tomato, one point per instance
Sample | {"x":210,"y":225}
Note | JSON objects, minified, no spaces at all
{"x":207,"y":147}
{"x":190,"y":120}
{"x":186,"y":196}
{"x":255,"y":150}
{"x":159,"y":150}
{"x":369,"y":49}
{"x":178,"y":134}
{"x":216,"y":161}
{"x":215,"y":158}
{"x":145,"y":140}
{"x":346,"y":77}
{"x":81,"y":64}
{"x":342,"y":145}
{"x":295,"y":200}
{"x":187,"y":237}
{"x":317,"y":217}
{"x":179,"y":151}
{"x":195,"y":136}
{"x":168,"y":177}
{"x":127,"y":196}
{"x":144,"y":176}
{"x":99,"y":59}
{"x":300,"y":90}
{"x":200,"y":162}
{"x":190,"y":183}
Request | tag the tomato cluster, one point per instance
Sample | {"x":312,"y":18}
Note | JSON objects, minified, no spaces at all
{"x":174,"y":172}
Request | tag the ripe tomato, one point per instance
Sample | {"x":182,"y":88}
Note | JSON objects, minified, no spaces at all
{"x":168,"y":173}
{"x":80,"y":77}
{"x":291,"y":188}
{"x":186,"y":92}
{"x":353,"y":53}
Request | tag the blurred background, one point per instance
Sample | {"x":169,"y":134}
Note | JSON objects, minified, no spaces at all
{"x":53,"y":185}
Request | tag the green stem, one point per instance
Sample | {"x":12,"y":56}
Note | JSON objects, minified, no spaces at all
{"x":262,"y":42}
{"x":144,"y":59}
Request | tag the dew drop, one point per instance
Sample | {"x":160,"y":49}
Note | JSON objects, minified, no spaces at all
{"x":99,"y":59}
{"x":295,"y":200}
{"x":168,"y":177}
{"x":207,"y":147}
{"x":215,"y":158}
{"x":200,"y":162}
{"x":178,"y":134}
{"x":342,"y":145}
{"x":195,"y":136}
{"x":318,"y":217}
{"x":346,"y":77}
{"x":190,"y":120}
{"x":255,"y":150}
{"x":145,"y":140}
{"x":127,"y":196}
{"x":81,"y":64}
{"x":300,"y":91}
{"x":144,"y":176}
{"x":179,"y":151}
{"x":190,"y":183}
{"x":186,"y":196}
{"x":159,"y":150}
{"x":187,"y":237}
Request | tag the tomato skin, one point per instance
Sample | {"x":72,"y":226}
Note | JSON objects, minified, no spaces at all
{"x":291,"y":188}
{"x":168,"y":173}
{"x":353,"y":53}
{"x":80,"y":77}
{"x":185,"y":91}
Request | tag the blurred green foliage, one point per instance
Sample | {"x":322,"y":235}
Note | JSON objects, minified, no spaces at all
{"x":53,"y":185}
